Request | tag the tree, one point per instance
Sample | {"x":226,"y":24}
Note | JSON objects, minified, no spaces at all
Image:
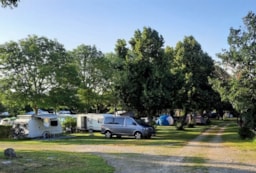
{"x":31,"y":69}
{"x":241,"y":58}
{"x":93,"y":74}
{"x":194,"y":66}
{"x":10,"y":3}
{"x":145,"y":82}
{"x":219,"y":81}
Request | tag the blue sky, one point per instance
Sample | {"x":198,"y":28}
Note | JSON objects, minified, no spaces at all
{"x":102,"y":22}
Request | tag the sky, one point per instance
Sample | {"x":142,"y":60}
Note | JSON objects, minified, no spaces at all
{"x":103,"y":22}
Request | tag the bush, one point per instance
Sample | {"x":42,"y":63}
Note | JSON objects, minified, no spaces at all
{"x":5,"y":131}
{"x":246,"y":133}
{"x":69,"y":124}
{"x":179,"y":125}
{"x":191,"y":125}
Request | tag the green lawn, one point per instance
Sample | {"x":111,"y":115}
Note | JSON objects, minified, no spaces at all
{"x":232,"y":139}
{"x":54,"y":162}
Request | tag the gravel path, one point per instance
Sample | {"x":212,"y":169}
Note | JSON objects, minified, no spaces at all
{"x":204,"y":154}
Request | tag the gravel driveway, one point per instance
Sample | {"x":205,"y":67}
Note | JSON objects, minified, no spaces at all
{"x":204,"y":154}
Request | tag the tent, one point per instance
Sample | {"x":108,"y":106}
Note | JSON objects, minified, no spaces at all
{"x":165,"y":120}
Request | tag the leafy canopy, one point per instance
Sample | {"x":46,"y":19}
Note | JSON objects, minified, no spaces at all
{"x":32,"y":68}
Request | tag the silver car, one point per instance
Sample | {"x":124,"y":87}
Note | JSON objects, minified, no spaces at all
{"x":125,"y":126}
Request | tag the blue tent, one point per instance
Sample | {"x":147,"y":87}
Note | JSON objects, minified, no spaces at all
{"x":165,"y":120}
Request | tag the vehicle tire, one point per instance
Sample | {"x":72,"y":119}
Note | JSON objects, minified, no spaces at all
{"x":138,"y":135}
{"x":46,"y":135}
{"x":108,"y":134}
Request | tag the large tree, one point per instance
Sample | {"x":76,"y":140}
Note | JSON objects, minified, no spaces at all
{"x":194,"y":66}
{"x":146,"y":81}
{"x":241,"y":59}
{"x":93,"y":74}
{"x":31,"y":69}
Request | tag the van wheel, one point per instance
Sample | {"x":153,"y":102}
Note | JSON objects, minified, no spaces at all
{"x":108,"y":134}
{"x":46,"y":134}
{"x":138,"y":135}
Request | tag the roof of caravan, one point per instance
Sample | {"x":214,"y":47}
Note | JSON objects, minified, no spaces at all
{"x":43,"y":116}
{"x":95,"y":115}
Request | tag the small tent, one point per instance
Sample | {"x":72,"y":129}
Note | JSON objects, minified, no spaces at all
{"x":165,"y":120}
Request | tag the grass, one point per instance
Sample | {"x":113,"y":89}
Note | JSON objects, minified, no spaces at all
{"x":198,"y":163}
{"x":54,"y":162}
{"x":232,"y":139}
{"x":165,"y":135}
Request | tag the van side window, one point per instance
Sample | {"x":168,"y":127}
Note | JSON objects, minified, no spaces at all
{"x":119,"y":120}
{"x":129,"y":122}
{"x":109,"y":120}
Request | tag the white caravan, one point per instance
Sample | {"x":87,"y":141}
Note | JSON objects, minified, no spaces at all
{"x":34,"y":126}
{"x":91,"y":121}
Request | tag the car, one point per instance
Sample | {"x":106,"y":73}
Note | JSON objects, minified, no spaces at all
{"x":125,"y":126}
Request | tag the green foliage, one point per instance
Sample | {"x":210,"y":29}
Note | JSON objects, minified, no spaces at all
{"x":95,"y":76}
{"x":5,"y":131}
{"x":32,"y":68}
{"x":10,"y":3}
{"x":246,"y":133}
{"x":145,"y":83}
{"x":69,"y":122}
{"x":194,"y":67}
{"x":240,"y":88}
{"x":179,"y":125}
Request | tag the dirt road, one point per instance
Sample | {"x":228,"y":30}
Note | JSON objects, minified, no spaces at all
{"x":204,"y":154}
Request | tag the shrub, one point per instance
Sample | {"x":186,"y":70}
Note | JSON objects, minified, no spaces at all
{"x":179,"y":125}
{"x":191,"y":125}
{"x":69,"y":124}
{"x":245,"y":132}
{"x":5,"y":131}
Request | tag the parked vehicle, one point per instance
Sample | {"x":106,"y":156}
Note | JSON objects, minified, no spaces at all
{"x":125,"y":126}
{"x":33,"y":126}
{"x":91,"y":121}
{"x":203,"y":120}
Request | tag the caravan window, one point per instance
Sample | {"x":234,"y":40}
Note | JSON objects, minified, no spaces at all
{"x":54,"y":123}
